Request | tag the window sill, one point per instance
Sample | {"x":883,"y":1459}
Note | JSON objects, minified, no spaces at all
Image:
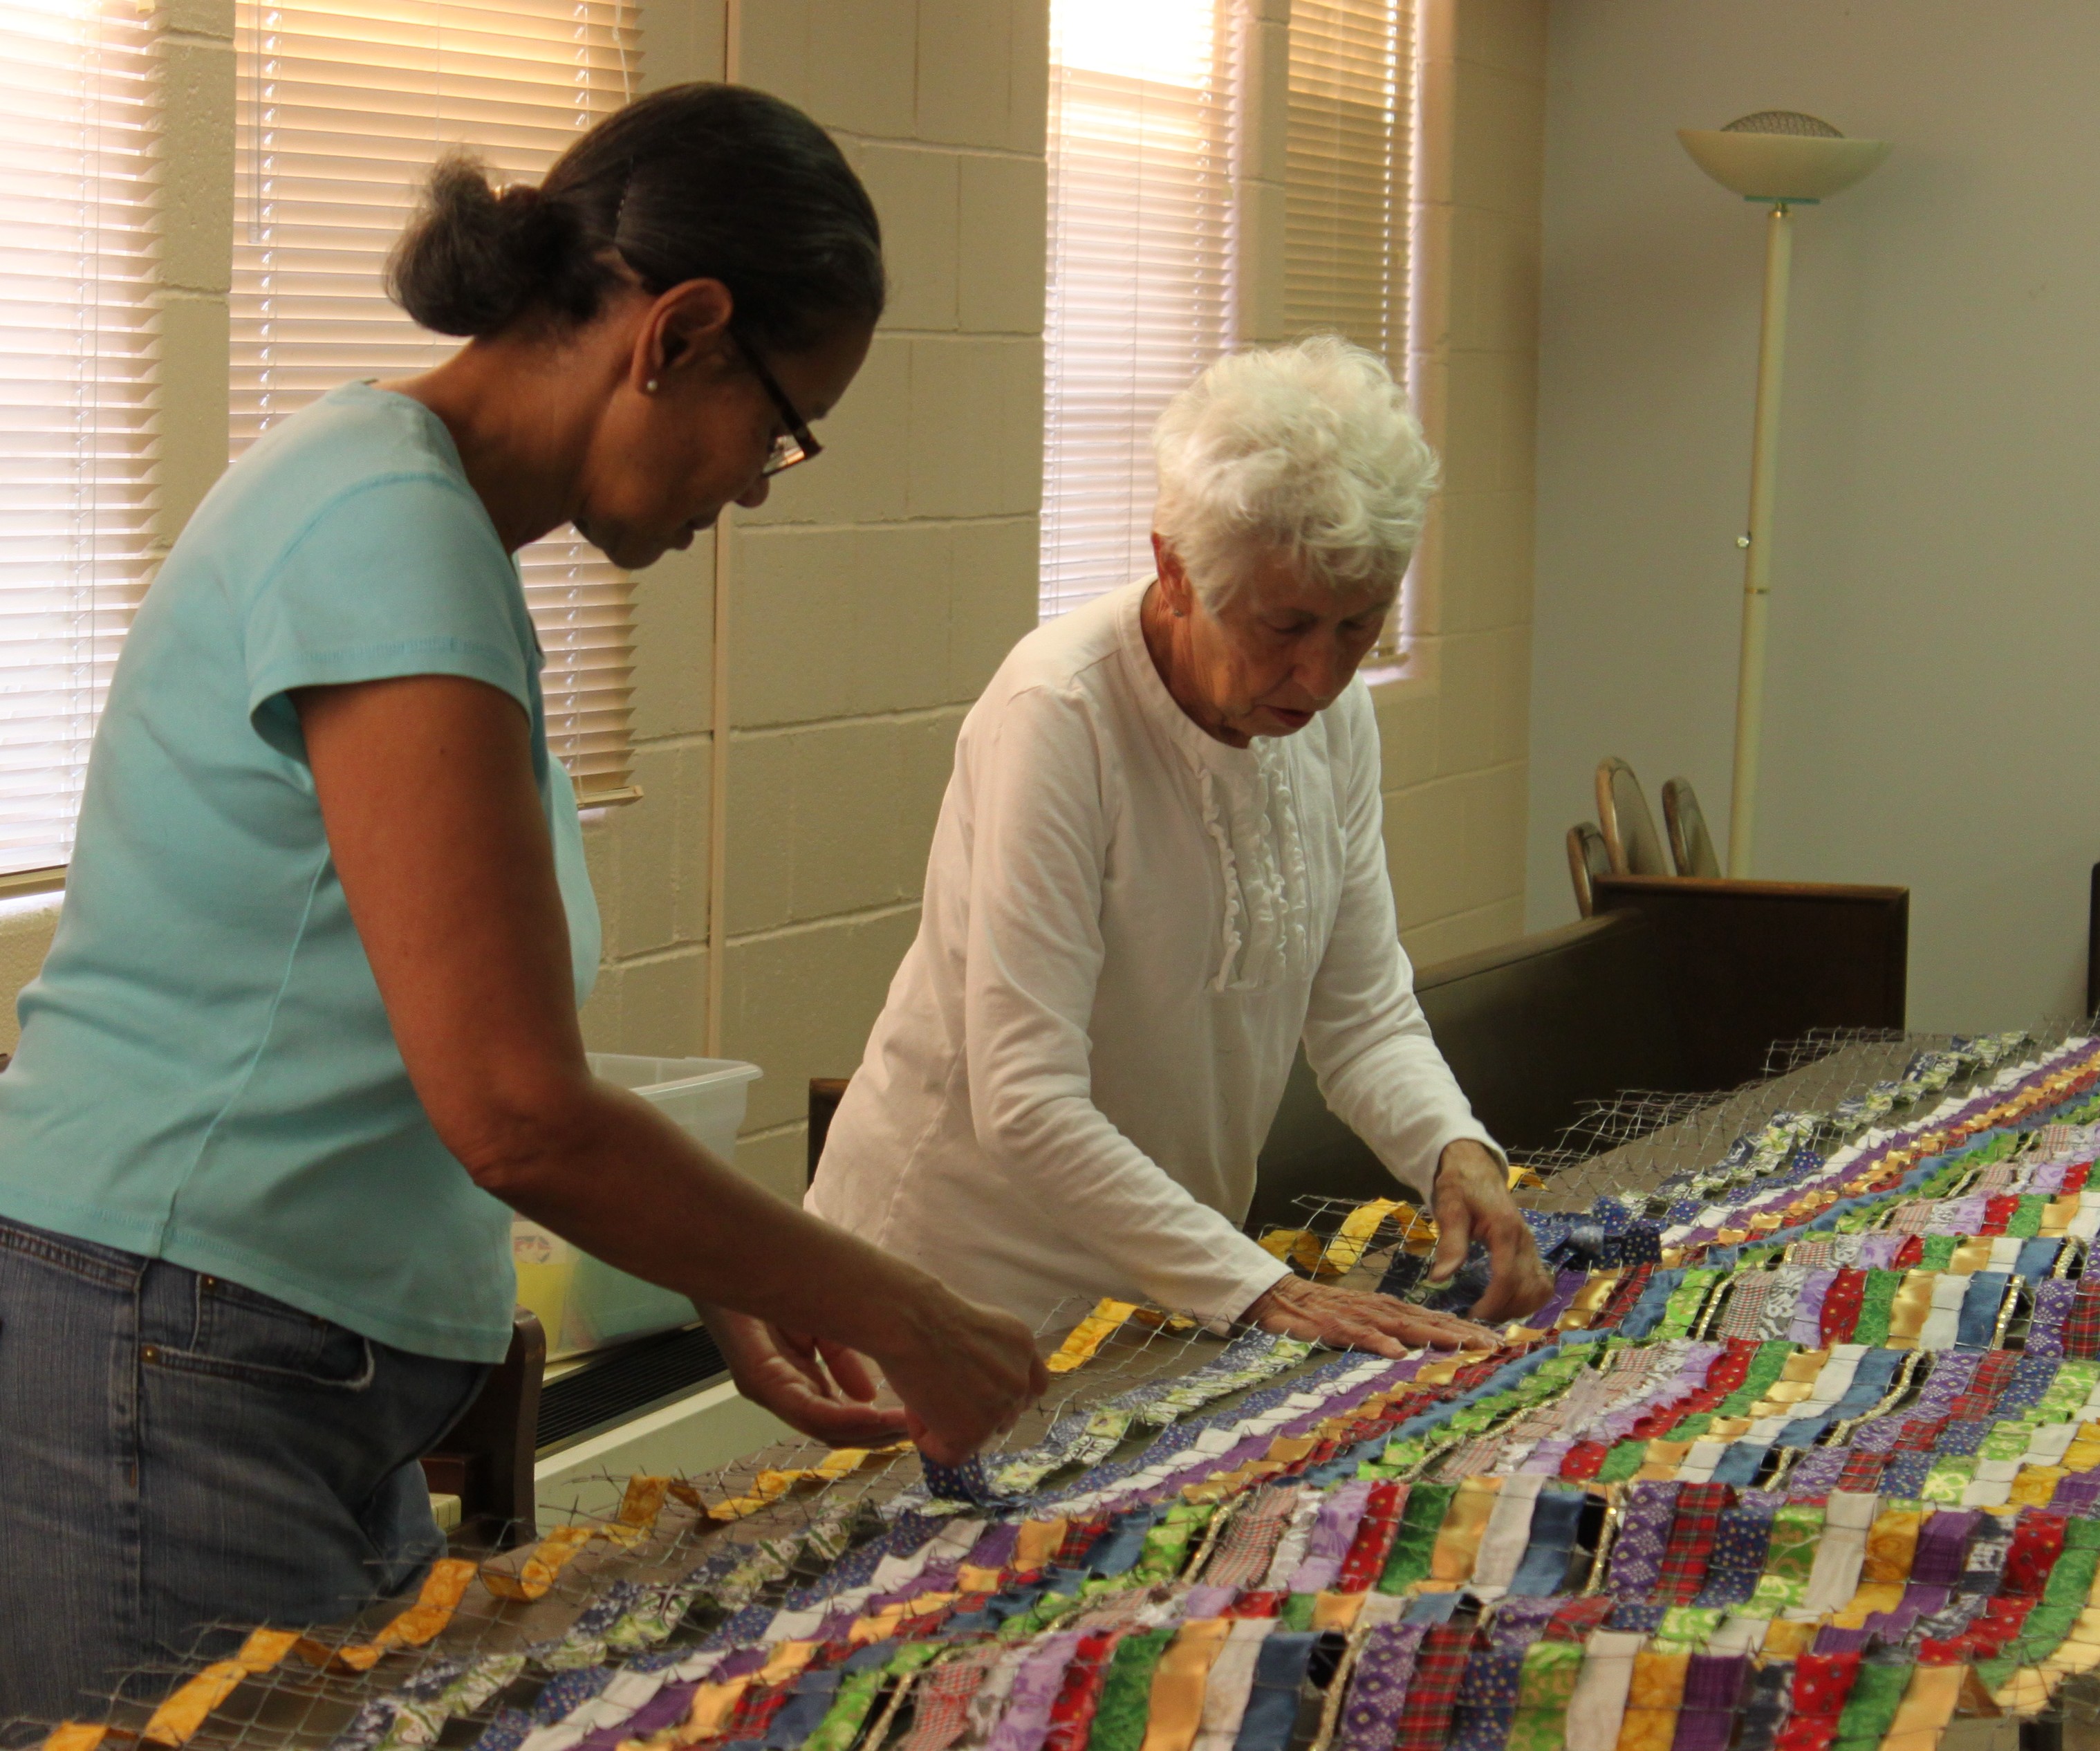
{"x":26,"y":882}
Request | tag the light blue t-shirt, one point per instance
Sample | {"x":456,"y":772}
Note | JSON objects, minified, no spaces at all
{"x":206,"y":1074}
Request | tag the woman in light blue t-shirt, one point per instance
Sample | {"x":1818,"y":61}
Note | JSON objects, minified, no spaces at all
{"x":307,"y":1034}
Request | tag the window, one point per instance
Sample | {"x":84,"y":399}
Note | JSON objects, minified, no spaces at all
{"x":1345,"y":183}
{"x":1140,"y":240}
{"x":342,"y":108}
{"x":76,"y":428}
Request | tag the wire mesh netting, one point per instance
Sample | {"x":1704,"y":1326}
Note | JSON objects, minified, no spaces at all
{"x":786,"y":1568}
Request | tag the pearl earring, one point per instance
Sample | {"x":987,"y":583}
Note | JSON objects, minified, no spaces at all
{"x":650,"y":387}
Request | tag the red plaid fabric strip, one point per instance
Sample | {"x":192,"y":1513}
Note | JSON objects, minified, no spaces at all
{"x":1079,"y":1539}
{"x":1746,"y":1305}
{"x":942,"y":1699}
{"x":1684,"y":1558}
{"x":1919,"y":1435}
{"x":2081,"y":1324}
{"x":1248,"y":1543}
{"x":1862,"y":1475}
{"x":1980,"y":1398}
{"x":1440,"y":1667}
{"x":1573,"y":1620}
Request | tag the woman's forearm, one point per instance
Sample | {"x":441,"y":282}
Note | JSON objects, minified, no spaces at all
{"x":606,"y":1170}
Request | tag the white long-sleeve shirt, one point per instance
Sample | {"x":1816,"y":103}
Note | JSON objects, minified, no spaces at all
{"x":1128,"y":926}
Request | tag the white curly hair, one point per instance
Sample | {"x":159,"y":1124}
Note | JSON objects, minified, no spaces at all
{"x":1309,"y":451}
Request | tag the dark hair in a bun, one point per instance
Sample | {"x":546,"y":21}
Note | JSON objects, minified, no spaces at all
{"x":696,"y":182}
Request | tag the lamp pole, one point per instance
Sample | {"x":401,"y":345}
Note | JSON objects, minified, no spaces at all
{"x":1757,"y":544}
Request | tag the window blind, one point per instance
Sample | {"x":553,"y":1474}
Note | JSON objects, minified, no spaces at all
{"x":343,"y":109}
{"x":1140,"y":267}
{"x":76,"y":427}
{"x":1347,"y":183}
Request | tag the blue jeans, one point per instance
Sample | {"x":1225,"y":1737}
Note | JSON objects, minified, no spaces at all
{"x":181,"y":1458}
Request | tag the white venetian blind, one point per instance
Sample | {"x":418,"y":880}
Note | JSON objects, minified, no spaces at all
{"x":1140,"y":267}
{"x":76,"y":427}
{"x":1346,"y":185}
{"x":343,"y":109}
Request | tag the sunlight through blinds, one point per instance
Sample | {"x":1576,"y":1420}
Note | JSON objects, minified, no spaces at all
{"x":1346,"y":187}
{"x":1140,"y":267}
{"x":76,"y":424}
{"x":343,"y":109}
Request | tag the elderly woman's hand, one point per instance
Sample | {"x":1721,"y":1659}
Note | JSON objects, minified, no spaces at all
{"x":1472,"y":1201}
{"x":1360,"y":1319}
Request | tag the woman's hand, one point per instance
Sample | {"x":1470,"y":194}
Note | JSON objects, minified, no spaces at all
{"x":821,"y":1390}
{"x":964,"y":1372}
{"x":1471,"y":1200}
{"x":1360,"y":1319}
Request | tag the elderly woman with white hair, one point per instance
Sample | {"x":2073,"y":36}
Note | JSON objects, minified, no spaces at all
{"x":1159,"y":866}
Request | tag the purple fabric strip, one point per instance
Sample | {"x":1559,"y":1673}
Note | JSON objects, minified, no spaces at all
{"x":1937,"y":1561}
{"x":1026,"y":1719}
{"x":667,"y":1708}
{"x":1807,"y":1326}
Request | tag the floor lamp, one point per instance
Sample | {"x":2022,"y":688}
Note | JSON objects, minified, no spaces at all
{"x":1787,"y":159}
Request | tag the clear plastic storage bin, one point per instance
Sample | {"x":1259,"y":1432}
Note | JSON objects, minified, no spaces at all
{"x":584,"y":1303}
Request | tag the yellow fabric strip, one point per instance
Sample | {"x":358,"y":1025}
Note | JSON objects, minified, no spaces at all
{"x":1970,"y":1257}
{"x":713,"y":1705}
{"x":1178,"y":1682}
{"x":1907,"y":1314}
{"x":183,"y":1713}
{"x":1089,"y":1335}
{"x":74,"y":1736}
{"x":1458,"y":1539}
{"x":1588,"y":1302}
{"x":1038,"y":1543}
{"x":528,"y":1574}
{"x":639,"y":1506}
{"x":1346,"y":1251}
{"x":2036,"y":1485}
{"x":443,"y":1589}
{"x":1297,"y":1246}
{"x":178,"y":1717}
{"x":1337,"y":1611}
{"x":1891,"y":1542}
{"x":1871,"y":1596}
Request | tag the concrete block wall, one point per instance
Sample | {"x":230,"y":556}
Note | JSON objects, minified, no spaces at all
{"x":871,"y":597}
{"x":1456,"y":725}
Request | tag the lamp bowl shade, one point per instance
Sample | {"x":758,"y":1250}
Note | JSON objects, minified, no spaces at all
{"x":1781,"y":166}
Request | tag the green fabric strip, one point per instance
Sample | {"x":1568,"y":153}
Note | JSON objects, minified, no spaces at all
{"x":1408,"y":1560}
{"x":1126,"y":1702}
{"x":1872,"y":1706}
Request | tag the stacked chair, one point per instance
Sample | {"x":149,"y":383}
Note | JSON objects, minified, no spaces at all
{"x":1623,"y":839}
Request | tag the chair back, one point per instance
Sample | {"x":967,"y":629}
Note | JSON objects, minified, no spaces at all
{"x":1630,"y":835}
{"x":1587,"y":859}
{"x":1691,"y":845}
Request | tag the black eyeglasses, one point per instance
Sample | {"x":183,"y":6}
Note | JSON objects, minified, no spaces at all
{"x":795,"y":444}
